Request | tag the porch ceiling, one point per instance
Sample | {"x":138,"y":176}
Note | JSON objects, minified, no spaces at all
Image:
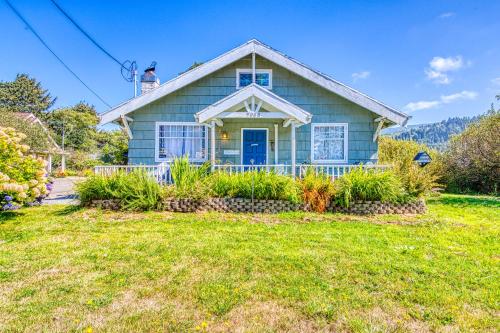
{"x":253,"y":99}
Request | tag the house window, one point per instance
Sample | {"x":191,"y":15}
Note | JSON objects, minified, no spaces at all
{"x":263,"y":77}
{"x":179,"y":139}
{"x":329,"y":143}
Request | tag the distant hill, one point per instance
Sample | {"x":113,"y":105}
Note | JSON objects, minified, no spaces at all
{"x":435,"y":135}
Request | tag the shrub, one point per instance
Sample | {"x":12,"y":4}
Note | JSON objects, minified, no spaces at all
{"x":417,"y":181}
{"x":317,"y":190}
{"x":136,"y":190}
{"x":473,"y":158}
{"x":22,"y":177}
{"x":266,"y":185}
{"x":369,"y":185}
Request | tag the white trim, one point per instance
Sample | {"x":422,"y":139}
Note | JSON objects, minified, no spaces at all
{"x":267,"y":141}
{"x":126,"y":126}
{"x":276,"y":126}
{"x":293,"y":148}
{"x":346,"y":142}
{"x":257,"y":71}
{"x":157,"y":140}
{"x":271,"y":55}
{"x":379,"y":128}
{"x":238,"y":99}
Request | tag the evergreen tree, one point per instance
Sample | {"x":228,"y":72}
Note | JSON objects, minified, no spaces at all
{"x":25,"y":94}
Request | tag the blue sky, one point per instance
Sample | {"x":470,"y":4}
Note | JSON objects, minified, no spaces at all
{"x":432,"y":59}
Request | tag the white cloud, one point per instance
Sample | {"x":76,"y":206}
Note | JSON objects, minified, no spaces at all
{"x":422,"y":105}
{"x":447,"y":15}
{"x":437,"y":77}
{"x":438,"y":66}
{"x":441,"y":64}
{"x":496,"y":81}
{"x":461,"y":95}
{"x":444,"y":99}
{"x":360,"y":75}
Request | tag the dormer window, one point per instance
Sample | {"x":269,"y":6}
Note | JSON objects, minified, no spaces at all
{"x":263,"y":77}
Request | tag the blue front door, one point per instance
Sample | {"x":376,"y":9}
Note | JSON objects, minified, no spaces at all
{"x":254,"y":146}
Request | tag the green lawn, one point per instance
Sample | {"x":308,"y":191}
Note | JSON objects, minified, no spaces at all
{"x":66,"y":269}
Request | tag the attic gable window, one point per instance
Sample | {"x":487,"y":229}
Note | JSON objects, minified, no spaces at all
{"x":263,"y":77}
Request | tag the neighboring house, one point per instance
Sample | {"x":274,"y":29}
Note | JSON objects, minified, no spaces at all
{"x":252,"y":105}
{"x":52,"y":148}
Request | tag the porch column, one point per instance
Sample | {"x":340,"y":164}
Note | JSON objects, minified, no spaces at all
{"x":212,"y":143}
{"x":293,"y":147}
{"x":275,"y":143}
{"x":63,"y":162}
{"x":49,"y":164}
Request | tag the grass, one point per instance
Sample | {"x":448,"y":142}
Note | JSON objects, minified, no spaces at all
{"x":69,"y":269}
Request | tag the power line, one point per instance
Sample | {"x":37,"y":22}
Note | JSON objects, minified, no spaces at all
{"x":130,"y":67}
{"x":18,"y":14}
{"x":85,"y":33}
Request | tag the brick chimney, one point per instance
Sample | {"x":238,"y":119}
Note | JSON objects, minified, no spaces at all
{"x":149,"y":80}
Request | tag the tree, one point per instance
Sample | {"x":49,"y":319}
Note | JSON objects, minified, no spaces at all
{"x":78,"y":123}
{"x":113,"y":147}
{"x":25,"y":94}
{"x":193,"y":66}
{"x":473,"y":158}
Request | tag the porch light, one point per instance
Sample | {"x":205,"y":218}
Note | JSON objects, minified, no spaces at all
{"x":422,"y":158}
{"x":224,"y":135}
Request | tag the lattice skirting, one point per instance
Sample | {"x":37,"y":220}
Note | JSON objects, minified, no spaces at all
{"x":239,"y":205}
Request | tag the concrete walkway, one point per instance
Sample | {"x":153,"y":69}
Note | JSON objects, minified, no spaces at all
{"x":63,"y":192}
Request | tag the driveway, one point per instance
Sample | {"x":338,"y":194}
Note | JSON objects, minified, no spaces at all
{"x":63,"y":192}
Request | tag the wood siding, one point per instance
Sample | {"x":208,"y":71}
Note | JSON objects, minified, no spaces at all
{"x":325,"y":107}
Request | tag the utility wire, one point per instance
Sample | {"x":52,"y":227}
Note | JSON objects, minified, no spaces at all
{"x":128,"y":68}
{"x":18,"y":14}
{"x":86,"y":34}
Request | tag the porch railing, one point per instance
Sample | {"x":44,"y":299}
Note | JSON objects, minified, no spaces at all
{"x":161,"y":172}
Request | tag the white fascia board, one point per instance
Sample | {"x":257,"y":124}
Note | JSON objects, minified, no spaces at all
{"x":330,"y":84}
{"x":177,"y":83}
{"x":272,"y":55}
{"x":260,"y":93}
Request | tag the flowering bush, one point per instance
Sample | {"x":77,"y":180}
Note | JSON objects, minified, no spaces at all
{"x":22,"y":177}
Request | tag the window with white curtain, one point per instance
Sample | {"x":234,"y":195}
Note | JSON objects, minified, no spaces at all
{"x":329,"y":142}
{"x":179,"y":139}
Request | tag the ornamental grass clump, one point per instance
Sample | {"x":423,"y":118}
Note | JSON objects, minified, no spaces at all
{"x":317,"y":190}
{"x":260,"y":185}
{"x":369,"y":185}
{"x":189,"y":180}
{"x":136,"y":190}
{"x":22,"y":176}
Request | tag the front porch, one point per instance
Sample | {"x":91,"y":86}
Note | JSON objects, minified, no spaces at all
{"x":253,"y":126}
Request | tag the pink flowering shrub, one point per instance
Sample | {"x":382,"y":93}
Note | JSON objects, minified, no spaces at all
{"x":22,"y":176}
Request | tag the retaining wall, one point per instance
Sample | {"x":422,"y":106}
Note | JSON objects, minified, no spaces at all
{"x":239,"y":205}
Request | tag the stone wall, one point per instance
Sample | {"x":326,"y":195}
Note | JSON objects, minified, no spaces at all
{"x":377,"y":207}
{"x":239,"y":205}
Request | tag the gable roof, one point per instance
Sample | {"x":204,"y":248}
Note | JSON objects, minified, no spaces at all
{"x":270,"y":54}
{"x":31,"y":119}
{"x":269,"y":100}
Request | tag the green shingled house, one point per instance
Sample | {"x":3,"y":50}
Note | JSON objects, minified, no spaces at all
{"x":252,"y":105}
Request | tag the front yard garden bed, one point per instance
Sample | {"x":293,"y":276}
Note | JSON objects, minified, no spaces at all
{"x":197,"y":188}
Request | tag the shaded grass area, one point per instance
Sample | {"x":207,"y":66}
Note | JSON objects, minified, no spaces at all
{"x":69,"y":269}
